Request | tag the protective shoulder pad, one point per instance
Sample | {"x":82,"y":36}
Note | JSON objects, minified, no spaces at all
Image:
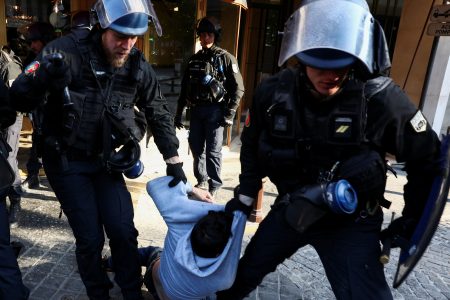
{"x":373,"y":86}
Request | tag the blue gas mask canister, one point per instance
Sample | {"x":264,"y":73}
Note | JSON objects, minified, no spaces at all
{"x":127,"y":160}
{"x":337,"y":196}
{"x":310,"y":203}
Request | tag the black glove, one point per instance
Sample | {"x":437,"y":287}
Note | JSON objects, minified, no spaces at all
{"x":236,"y":204}
{"x":177,"y":122}
{"x":54,"y":72}
{"x":176,"y":171}
{"x":228,"y":117}
{"x":399,"y":231}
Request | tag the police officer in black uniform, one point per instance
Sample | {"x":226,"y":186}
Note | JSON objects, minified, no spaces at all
{"x":101,"y":93}
{"x":320,"y":132}
{"x":38,"y":35}
{"x":212,"y":86}
{"x":11,"y":285}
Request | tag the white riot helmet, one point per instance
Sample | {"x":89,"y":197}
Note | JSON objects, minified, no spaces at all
{"x":334,"y":34}
{"x":129,"y":17}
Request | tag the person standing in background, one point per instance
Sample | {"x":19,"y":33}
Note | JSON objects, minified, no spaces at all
{"x":212,"y":87}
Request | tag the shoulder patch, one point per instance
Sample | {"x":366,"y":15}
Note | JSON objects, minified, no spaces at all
{"x":235,"y":68}
{"x":32,"y":68}
{"x":418,"y":122}
{"x":247,"y":120}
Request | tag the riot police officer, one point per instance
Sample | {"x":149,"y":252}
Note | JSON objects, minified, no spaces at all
{"x":38,"y":35}
{"x":320,"y":132}
{"x":212,"y":87}
{"x":101,"y":94}
{"x":11,"y":285}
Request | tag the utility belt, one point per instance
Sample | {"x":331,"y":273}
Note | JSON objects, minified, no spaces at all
{"x":300,"y":213}
{"x":352,"y":188}
{"x":74,"y":154}
{"x":204,"y":104}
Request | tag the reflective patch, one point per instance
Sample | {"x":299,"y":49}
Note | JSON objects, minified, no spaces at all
{"x":32,"y":68}
{"x":235,"y":68}
{"x":247,"y":120}
{"x":418,"y":122}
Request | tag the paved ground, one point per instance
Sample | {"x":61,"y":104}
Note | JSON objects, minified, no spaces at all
{"x":48,"y":263}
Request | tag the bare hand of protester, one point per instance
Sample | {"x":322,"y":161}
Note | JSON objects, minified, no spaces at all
{"x":202,"y":195}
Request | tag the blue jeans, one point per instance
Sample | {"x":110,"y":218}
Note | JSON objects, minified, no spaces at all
{"x":205,"y":141}
{"x":95,"y":202}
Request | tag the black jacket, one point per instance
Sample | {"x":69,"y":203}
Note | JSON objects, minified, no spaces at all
{"x":234,"y":84}
{"x":388,"y":130}
{"x":147,"y":97}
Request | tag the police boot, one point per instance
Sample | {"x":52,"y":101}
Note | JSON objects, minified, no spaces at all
{"x":33,"y":181}
{"x":14,"y":211}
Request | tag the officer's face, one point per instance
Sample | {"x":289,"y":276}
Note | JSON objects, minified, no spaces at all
{"x":117,"y":47}
{"x":326,"y":82}
{"x":206,"y":39}
{"x":36,"y":46}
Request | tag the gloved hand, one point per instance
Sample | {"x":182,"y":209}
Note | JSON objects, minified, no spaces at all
{"x":228,"y":117}
{"x":176,"y":171}
{"x":54,"y":72}
{"x":236,"y":204}
{"x":399,"y":231}
{"x":177,"y":122}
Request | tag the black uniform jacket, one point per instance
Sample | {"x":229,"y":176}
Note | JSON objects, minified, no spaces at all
{"x":389,"y":129}
{"x":234,"y":84}
{"x":148,"y":98}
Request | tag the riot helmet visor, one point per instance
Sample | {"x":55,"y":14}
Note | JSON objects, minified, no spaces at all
{"x":129,"y":17}
{"x":325,"y":37}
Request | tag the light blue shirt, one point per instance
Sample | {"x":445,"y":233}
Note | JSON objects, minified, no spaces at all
{"x":183,"y":274}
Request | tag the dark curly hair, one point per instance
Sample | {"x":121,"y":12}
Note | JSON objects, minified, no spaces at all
{"x":211,"y":233}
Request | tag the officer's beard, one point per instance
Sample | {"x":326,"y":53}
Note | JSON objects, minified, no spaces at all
{"x":113,"y":60}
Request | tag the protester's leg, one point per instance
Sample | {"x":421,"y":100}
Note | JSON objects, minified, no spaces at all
{"x":197,"y":145}
{"x":214,"y":141}
{"x":153,"y":257}
{"x":12,"y":139}
{"x":350,"y":255}
{"x":76,"y":191}
{"x":272,"y":243}
{"x":33,"y":164}
{"x":11,"y":285}
{"x":116,"y":211}
{"x":15,"y":192}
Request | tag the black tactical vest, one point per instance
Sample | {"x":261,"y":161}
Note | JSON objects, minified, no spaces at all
{"x":302,"y":140}
{"x":204,"y":68}
{"x":103,"y":89}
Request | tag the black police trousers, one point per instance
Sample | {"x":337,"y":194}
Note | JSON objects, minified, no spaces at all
{"x":95,"y":202}
{"x":349,"y":250}
{"x":11,"y":285}
{"x":205,"y":141}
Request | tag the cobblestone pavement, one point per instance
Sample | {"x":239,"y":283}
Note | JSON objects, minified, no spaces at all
{"x":49,"y":268}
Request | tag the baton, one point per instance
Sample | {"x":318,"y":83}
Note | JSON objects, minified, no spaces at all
{"x":387,"y":243}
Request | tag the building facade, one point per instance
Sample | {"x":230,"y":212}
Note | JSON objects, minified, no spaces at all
{"x":253,"y":31}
